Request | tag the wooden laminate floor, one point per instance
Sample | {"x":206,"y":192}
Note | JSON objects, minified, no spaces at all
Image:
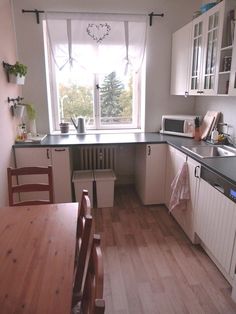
{"x":150,"y":265}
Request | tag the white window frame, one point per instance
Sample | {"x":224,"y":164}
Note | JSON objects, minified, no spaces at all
{"x":53,"y":99}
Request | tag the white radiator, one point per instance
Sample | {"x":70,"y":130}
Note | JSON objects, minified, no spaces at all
{"x":97,"y":157}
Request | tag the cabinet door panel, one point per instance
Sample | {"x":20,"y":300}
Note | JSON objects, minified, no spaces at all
{"x":197,"y":56}
{"x":29,"y":157}
{"x":216,"y":223}
{"x":61,"y":175}
{"x":232,"y":81}
{"x":212,"y":47}
{"x":33,"y":157}
{"x":181,"y":46}
{"x":155,"y":173}
{"x":206,"y":44}
{"x":185,"y":218}
{"x":150,"y":165}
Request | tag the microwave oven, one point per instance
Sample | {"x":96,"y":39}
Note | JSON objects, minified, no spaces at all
{"x":181,"y":125}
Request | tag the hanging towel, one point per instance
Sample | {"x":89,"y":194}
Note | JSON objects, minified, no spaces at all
{"x":180,"y":189}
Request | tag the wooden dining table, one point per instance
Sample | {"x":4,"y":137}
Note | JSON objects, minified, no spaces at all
{"x":37,"y":251}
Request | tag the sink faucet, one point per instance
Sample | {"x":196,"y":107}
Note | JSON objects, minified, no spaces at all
{"x":228,"y":138}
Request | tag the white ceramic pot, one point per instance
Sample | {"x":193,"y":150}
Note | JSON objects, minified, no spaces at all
{"x":18,"y":111}
{"x":19,"y":80}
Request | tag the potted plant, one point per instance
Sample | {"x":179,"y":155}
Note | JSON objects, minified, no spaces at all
{"x":31,"y":113}
{"x":17,"y":73}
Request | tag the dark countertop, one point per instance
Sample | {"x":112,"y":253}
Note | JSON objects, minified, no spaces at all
{"x":226,"y":166}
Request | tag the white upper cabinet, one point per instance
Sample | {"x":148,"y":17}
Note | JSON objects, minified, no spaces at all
{"x":181,"y":48}
{"x":205,"y":53}
{"x":206,"y":34}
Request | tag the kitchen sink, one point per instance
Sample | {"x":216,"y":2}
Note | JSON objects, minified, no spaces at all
{"x":210,"y":151}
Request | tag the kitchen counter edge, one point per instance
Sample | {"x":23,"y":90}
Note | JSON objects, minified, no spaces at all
{"x":222,"y":166}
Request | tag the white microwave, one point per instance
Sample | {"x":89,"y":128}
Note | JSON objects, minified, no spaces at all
{"x":181,"y":125}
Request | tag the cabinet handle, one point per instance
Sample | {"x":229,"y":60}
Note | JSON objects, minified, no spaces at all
{"x":48,"y":155}
{"x":59,"y":149}
{"x":195,"y":172}
{"x":149,"y":150}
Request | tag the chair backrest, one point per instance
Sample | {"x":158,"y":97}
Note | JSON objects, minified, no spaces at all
{"x":92,"y":299}
{"x":83,"y":211}
{"x":83,"y":246}
{"x":29,"y":187}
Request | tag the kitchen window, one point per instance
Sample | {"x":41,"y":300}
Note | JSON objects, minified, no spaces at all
{"x":95,"y":68}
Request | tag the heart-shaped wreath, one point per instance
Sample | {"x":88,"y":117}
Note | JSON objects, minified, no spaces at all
{"x":98,"y":31}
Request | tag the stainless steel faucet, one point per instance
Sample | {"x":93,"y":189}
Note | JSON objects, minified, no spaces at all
{"x":228,"y":138}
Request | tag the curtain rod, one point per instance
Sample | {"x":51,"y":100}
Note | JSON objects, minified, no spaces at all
{"x":38,"y":12}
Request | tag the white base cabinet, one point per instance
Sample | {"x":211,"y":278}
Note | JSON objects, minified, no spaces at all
{"x":58,"y":158}
{"x":150,"y":165}
{"x":216,"y":226}
{"x":185,"y":217}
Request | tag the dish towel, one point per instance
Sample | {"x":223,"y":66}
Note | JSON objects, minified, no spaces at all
{"x":180,"y":189}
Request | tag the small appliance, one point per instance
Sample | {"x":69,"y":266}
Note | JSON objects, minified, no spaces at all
{"x":181,"y":125}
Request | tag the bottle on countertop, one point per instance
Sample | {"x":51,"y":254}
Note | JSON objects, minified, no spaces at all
{"x":24,"y":131}
{"x":214,"y":136}
{"x":197,"y":135}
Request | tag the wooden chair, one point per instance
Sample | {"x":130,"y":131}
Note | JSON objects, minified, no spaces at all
{"x":92,"y":301}
{"x":83,"y":246}
{"x":84,"y":210}
{"x":29,"y":187}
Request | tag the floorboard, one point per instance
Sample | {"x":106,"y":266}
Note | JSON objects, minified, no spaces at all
{"x":151,"y":266}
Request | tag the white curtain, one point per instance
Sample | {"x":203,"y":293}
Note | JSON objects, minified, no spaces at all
{"x":99,"y":43}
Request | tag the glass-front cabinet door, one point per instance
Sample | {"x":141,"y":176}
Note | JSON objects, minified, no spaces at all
{"x":209,"y":76}
{"x":232,"y":81}
{"x":197,"y":55}
{"x":205,"y":47}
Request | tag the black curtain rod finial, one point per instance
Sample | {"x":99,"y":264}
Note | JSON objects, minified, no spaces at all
{"x":35,"y":11}
{"x":154,"y":14}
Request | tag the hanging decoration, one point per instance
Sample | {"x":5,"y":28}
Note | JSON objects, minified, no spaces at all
{"x":98,"y":31}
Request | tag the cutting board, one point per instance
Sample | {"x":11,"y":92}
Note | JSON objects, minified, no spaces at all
{"x":216,"y":115}
{"x":210,"y":120}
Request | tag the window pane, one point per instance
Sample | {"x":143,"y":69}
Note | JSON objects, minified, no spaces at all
{"x":75,"y":93}
{"x":116,"y":99}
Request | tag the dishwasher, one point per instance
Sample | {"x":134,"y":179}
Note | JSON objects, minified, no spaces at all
{"x":219,"y":183}
{"x":216,"y":220}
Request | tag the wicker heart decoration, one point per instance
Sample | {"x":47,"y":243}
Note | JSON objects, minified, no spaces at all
{"x":98,"y":31}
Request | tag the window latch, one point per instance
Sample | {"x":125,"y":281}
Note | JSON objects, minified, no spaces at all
{"x":97,"y":86}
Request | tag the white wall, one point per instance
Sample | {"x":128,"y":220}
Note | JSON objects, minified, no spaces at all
{"x":158,"y":99}
{"x":8,"y":123}
{"x":226,"y":105}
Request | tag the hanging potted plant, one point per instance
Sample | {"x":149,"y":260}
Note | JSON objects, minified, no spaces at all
{"x":17,"y":73}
